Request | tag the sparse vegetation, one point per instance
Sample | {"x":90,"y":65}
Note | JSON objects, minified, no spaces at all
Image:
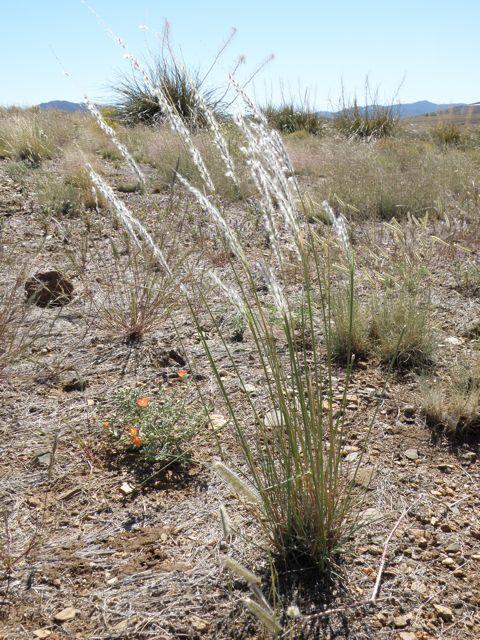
{"x":218,"y":259}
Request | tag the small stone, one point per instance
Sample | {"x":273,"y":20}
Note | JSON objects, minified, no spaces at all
{"x":126,"y":489}
{"x":77,"y":383}
{"x":198,"y":624}
{"x":446,"y":468}
{"x":352,"y":456}
{"x":445,"y":613}
{"x":42,"y":633}
{"x":411,"y":454}
{"x":409,"y":411}
{"x":249,"y":388}
{"x":400,"y":622}
{"x":454,"y":547}
{"x":407,"y":635}
{"x":273,"y":418}
{"x":217,"y":421}
{"x":44,"y":459}
{"x":120,"y":626}
{"x":68,"y":613}
{"x":363,"y":477}
{"x":370,"y":515}
{"x":448,"y":562}
{"x":453,"y":340}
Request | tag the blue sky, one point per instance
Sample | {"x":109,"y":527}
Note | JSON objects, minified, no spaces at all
{"x":432,"y":45}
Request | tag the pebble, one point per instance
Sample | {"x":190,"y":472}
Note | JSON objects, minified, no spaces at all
{"x":411,"y":454}
{"x":42,"y":633}
{"x":126,"y":489}
{"x":65,"y":614}
{"x":445,"y":613}
{"x":400,"y":622}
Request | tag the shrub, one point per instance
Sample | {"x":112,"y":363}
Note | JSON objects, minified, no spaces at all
{"x":453,"y":404}
{"x":159,"y":429}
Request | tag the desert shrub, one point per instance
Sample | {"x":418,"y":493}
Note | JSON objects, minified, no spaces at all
{"x":453,"y":403}
{"x":291,"y":118}
{"x":402,"y":327}
{"x":159,"y":428}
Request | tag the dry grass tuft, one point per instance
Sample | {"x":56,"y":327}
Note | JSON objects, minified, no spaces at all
{"x":453,"y":404}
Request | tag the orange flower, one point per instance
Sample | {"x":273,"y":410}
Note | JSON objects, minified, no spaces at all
{"x":134,"y":434}
{"x":142,"y":402}
{"x":182,"y":373}
{"x":137,"y":441}
{"x":106,"y":424}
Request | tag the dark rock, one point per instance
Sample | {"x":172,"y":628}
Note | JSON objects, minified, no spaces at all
{"x":48,"y":289}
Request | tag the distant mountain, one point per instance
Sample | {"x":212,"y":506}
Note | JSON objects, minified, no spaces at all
{"x":407,"y":110}
{"x":62,"y":105}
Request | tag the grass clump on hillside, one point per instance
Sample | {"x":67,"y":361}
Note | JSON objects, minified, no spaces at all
{"x":292,"y":118}
{"x":447,"y":134}
{"x":137,"y":100}
{"x":402,"y":328}
{"x":70,"y":193}
{"x":368,"y":123}
{"x":453,"y":404}
{"x":22,"y":137}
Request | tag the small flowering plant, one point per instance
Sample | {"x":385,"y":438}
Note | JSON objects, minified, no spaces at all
{"x":159,"y":429}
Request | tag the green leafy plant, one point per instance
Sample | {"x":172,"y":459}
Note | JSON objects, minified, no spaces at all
{"x":159,"y":429}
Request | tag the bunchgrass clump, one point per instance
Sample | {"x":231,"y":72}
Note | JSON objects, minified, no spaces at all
{"x":447,"y":134}
{"x":290,"y":117}
{"x":70,"y":193}
{"x":350,"y":331}
{"x":137,"y":103}
{"x":22,"y":137}
{"x":452,"y":404}
{"x":157,"y":428}
{"x":368,"y":123}
{"x":402,"y":328}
